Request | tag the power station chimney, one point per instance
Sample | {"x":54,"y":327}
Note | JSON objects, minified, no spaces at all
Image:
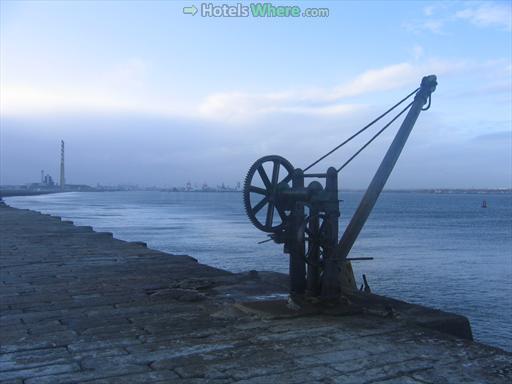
{"x":62,"y":179}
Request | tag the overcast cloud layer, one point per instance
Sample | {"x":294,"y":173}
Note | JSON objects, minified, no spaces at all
{"x":143,"y":94}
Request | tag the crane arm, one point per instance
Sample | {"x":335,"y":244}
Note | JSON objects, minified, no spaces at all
{"x":428,"y":85}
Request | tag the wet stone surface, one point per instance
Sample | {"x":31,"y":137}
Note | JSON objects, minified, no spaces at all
{"x":82,"y":307}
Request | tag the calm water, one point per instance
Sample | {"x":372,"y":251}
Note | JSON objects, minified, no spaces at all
{"x":443,"y":251}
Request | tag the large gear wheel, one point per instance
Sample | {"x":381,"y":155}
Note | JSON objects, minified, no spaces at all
{"x":257,"y":196}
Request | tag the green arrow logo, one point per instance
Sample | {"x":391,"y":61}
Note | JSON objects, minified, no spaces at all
{"x":190,"y":10}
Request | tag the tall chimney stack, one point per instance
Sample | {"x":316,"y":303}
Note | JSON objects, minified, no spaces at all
{"x":42,"y":176}
{"x":62,"y":179}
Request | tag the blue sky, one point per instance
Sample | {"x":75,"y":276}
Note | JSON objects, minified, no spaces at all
{"x":142,"y":93}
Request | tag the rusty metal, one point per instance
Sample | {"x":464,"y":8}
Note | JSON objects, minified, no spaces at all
{"x":303,"y":214}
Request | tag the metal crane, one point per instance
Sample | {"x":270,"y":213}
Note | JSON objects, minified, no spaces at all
{"x":305,"y":217}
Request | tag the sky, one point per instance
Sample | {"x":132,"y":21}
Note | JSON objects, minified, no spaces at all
{"x":144,"y":94}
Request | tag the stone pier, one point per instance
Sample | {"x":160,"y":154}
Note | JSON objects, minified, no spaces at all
{"x":78,"y":306}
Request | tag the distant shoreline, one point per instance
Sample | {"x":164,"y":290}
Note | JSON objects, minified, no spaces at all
{"x":24,"y":192}
{"x":21,"y":192}
{"x":434,"y":191}
{"x":446,"y":191}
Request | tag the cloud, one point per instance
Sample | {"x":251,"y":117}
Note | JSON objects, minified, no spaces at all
{"x":244,"y":106}
{"x":429,"y":11}
{"x":127,"y":91}
{"x":418,"y":52}
{"x":17,"y":100}
{"x":498,"y":136}
{"x":33,"y":101}
{"x":435,"y":26}
{"x":133,"y":71}
{"x":488,"y":15}
{"x":437,"y":18}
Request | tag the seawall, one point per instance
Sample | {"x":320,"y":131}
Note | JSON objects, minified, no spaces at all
{"x":82,"y":306}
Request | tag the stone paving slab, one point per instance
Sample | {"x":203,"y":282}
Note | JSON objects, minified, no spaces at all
{"x":83,"y":307}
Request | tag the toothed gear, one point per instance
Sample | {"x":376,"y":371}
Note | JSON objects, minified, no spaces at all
{"x":269,"y":192}
{"x":316,"y":237}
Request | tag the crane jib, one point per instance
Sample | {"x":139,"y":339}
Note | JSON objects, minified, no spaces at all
{"x":428,"y":85}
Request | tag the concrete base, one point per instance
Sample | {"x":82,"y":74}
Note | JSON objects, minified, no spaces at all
{"x":446,"y":322}
{"x":363,"y":304}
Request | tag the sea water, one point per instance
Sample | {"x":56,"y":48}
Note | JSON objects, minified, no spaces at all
{"x":440,"y":250}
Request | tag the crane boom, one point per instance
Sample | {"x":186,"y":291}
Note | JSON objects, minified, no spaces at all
{"x":428,"y":85}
